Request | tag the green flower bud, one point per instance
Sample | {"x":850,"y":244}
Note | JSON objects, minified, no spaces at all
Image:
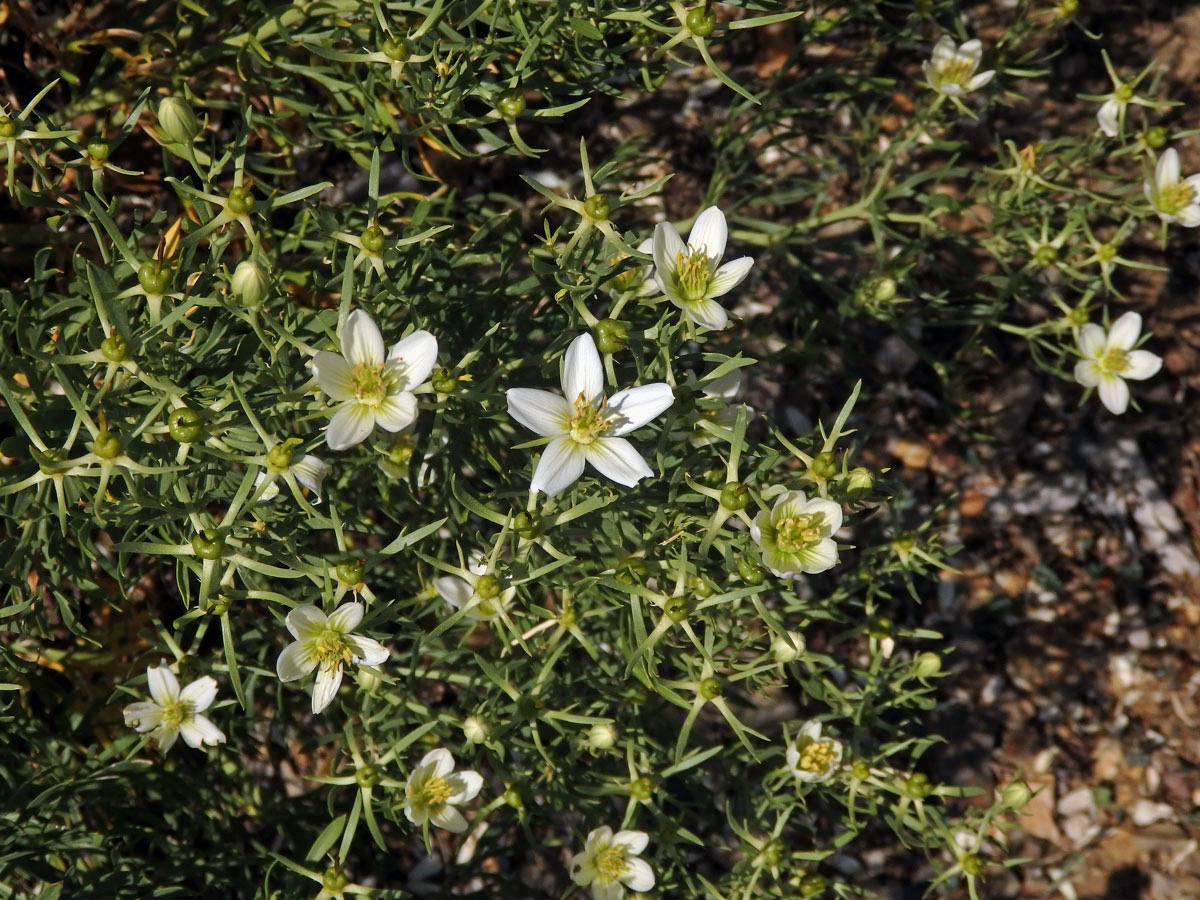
{"x":735,"y":496}
{"x":824,"y":465}
{"x":812,"y":885}
{"x":475,"y":729}
{"x":510,"y":104}
{"x":641,"y":789}
{"x":333,"y":881}
{"x":596,"y":207}
{"x":349,"y":573}
{"x":154,"y":277}
{"x":859,"y":480}
{"x":444,"y":382}
{"x":185,"y":425}
{"x":513,"y":798}
{"x":676,"y":609}
{"x":9,"y":128}
{"x":395,"y":50}
{"x":602,"y":736}
{"x":114,"y":348}
{"x":750,"y":571}
{"x":971,"y":864}
{"x":240,"y":201}
{"x":372,"y":239}
{"x":1078,"y":316}
{"x":250,"y":283}
{"x":789,"y":649}
{"x":611,"y":336}
{"x":772,"y":853}
{"x":860,"y":771}
{"x":917,"y":786}
{"x":884,"y":290}
{"x":367,"y":776}
{"x":98,"y":150}
{"x":487,"y":587}
{"x":106,"y":445}
{"x":1046,"y":256}
{"x":927,"y":665}
{"x":632,"y":569}
{"x":700,"y":21}
{"x":177,"y":121}
{"x":208,"y":544}
{"x":1156,"y":136}
{"x":1016,"y":795}
{"x":710,"y":688}
{"x":279,"y":457}
{"x":527,"y":524}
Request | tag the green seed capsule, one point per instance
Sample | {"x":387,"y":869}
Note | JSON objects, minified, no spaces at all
{"x":611,"y":336}
{"x":106,"y":445}
{"x":350,"y":573}
{"x":395,"y":50}
{"x":372,"y":238}
{"x":487,"y":587}
{"x":812,"y":885}
{"x":185,"y":425}
{"x":735,"y":496}
{"x":98,"y":150}
{"x":772,"y":854}
{"x":334,"y":881}
{"x":444,"y":382}
{"x":700,"y":21}
{"x":240,"y":201}
{"x":971,"y":864}
{"x":510,"y":104}
{"x":1156,"y":136}
{"x":879,"y":627}
{"x":641,"y":789}
{"x":1016,"y":795}
{"x":917,"y":786}
{"x":676,"y":609}
{"x":596,"y":207}
{"x":9,"y":128}
{"x":750,"y":571}
{"x":824,"y":465}
{"x":513,"y":798}
{"x":46,"y":460}
{"x":710,"y":689}
{"x":367,"y":776}
{"x":1045,"y":256}
{"x":114,"y":348}
{"x":154,"y":277}
{"x":860,"y":770}
{"x":527,"y":524}
{"x":208,"y":544}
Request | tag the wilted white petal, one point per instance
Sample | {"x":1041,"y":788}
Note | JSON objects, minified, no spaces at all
{"x":1107,"y":117}
{"x":329,"y":679}
{"x":311,"y":471}
{"x":270,"y":492}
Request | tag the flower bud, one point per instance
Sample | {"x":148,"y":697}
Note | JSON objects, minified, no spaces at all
{"x":250,"y":283}
{"x":783,"y":651}
{"x":114,"y":348}
{"x":1156,"y":136}
{"x":513,"y":798}
{"x":1016,"y":795}
{"x":859,"y":480}
{"x":927,"y":665}
{"x":611,"y":336}
{"x":185,"y":425}
{"x":106,"y":445}
{"x":772,"y":853}
{"x":641,"y":789}
{"x":9,"y":128}
{"x":735,"y":496}
{"x":884,"y":290}
{"x":971,"y":864}
{"x":596,"y":207}
{"x":510,"y":104}
{"x":177,"y":121}
{"x":700,"y":21}
{"x":602,"y":736}
{"x":917,"y":786}
{"x":475,"y":729}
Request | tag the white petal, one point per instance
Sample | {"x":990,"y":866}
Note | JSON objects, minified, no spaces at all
{"x":560,"y":466}
{"x":164,"y":686}
{"x":143,"y":715}
{"x":730,"y":276}
{"x":454,"y":591}
{"x":724,"y":388}
{"x":326,"y":687}
{"x":349,"y":426}
{"x":294,"y":662}
{"x":397,"y":412}
{"x":972,"y":51}
{"x":1092,"y":341}
{"x":334,"y":376}
{"x":449,"y":818}
{"x":711,"y":233}
{"x":637,"y":406}
{"x":944,"y":50}
{"x":270,"y":492}
{"x":362,"y":344}
{"x":638,"y":875}
{"x":706,"y":313}
{"x":199,"y":730}
{"x":1141,"y":364}
{"x":440,"y":762}
{"x":667,"y":246}
{"x":607,"y":890}
{"x":789,"y":505}
{"x":541,"y":412}
{"x":1124,"y":332}
{"x":811,"y":730}
{"x":616,"y":459}
{"x":582,"y":372}
{"x":367,"y":651}
{"x":310,"y":472}
{"x":1189,"y":216}
{"x":832,"y":512}
{"x":950,"y":89}
{"x":166,"y":737}
{"x":980,"y":80}
{"x":1114,"y":393}
{"x":347,"y":617}
{"x":634,"y":841}
{"x":466,"y":785}
{"x":583,"y":869}
{"x":1107,"y":117}
{"x":200,"y":693}
{"x":1087,"y":373}
{"x":819,"y":556}
{"x":414,"y":358}
{"x":1166,"y":172}
{"x":600,"y":837}
{"x":305,"y":622}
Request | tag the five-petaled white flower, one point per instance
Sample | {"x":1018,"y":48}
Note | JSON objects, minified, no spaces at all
{"x":1175,"y":199}
{"x":373,"y":388}
{"x":325,"y":643}
{"x":951,"y":69}
{"x":811,"y":757}
{"x":434,"y":789}
{"x":1108,"y":359}
{"x":479,"y":592}
{"x":585,"y":426}
{"x":609,"y":863}
{"x":796,"y":535}
{"x":691,"y":275}
{"x":174,"y":712}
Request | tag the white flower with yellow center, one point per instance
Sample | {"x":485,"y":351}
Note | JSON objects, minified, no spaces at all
{"x":951,"y":69}
{"x":326,"y":644}
{"x":691,"y":274}
{"x":609,"y":863}
{"x":584,"y":425}
{"x":796,"y":535}
{"x":1108,"y":359}
{"x":1175,"y":199}
{"x":434,"y":789}
{"x":373,"y":388}
{"x":478,"y":592}
{"x":174,"y":712}
{"x":811,"y":757}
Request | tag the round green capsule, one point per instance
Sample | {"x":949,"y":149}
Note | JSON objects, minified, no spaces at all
{"x":185,"y":425}
{"x":208,"y":544}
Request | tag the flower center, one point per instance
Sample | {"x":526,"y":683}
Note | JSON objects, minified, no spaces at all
{"x":1174,"y":197}
{"x":588,"y":423}
{"x":331,"y":651}
{"x":371,"y":386}
{"x":610,"y":863}
{"x":1114,"y":361}
{"x":956,"y":70}
{"x":174,"y":714}
{"x":436,"y":791}
{"x":795,"y":533}
{"x":817,"y":757}
{"x":693,"y":273}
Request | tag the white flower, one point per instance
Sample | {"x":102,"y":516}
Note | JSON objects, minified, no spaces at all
{"x":1109,"y":115}
{"x":479,"y":592}
{"x":724,"y":389}
{"x":951,"y":69}
{"x":434,"y":789}
{"x":692,"y":275}
{"x":173,"y":712}
{"x":811,"y":757}
{"x":307,"y":469}
{"x":796,"y":534}
{"x":640,"y":280}
{"x":1175,"y":199}
{"x":325,"y":643}
{"x":585,"y":426}
{"x":609,"y":863}
{"x":1108,"y":360}
{"x":373,"y":389}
